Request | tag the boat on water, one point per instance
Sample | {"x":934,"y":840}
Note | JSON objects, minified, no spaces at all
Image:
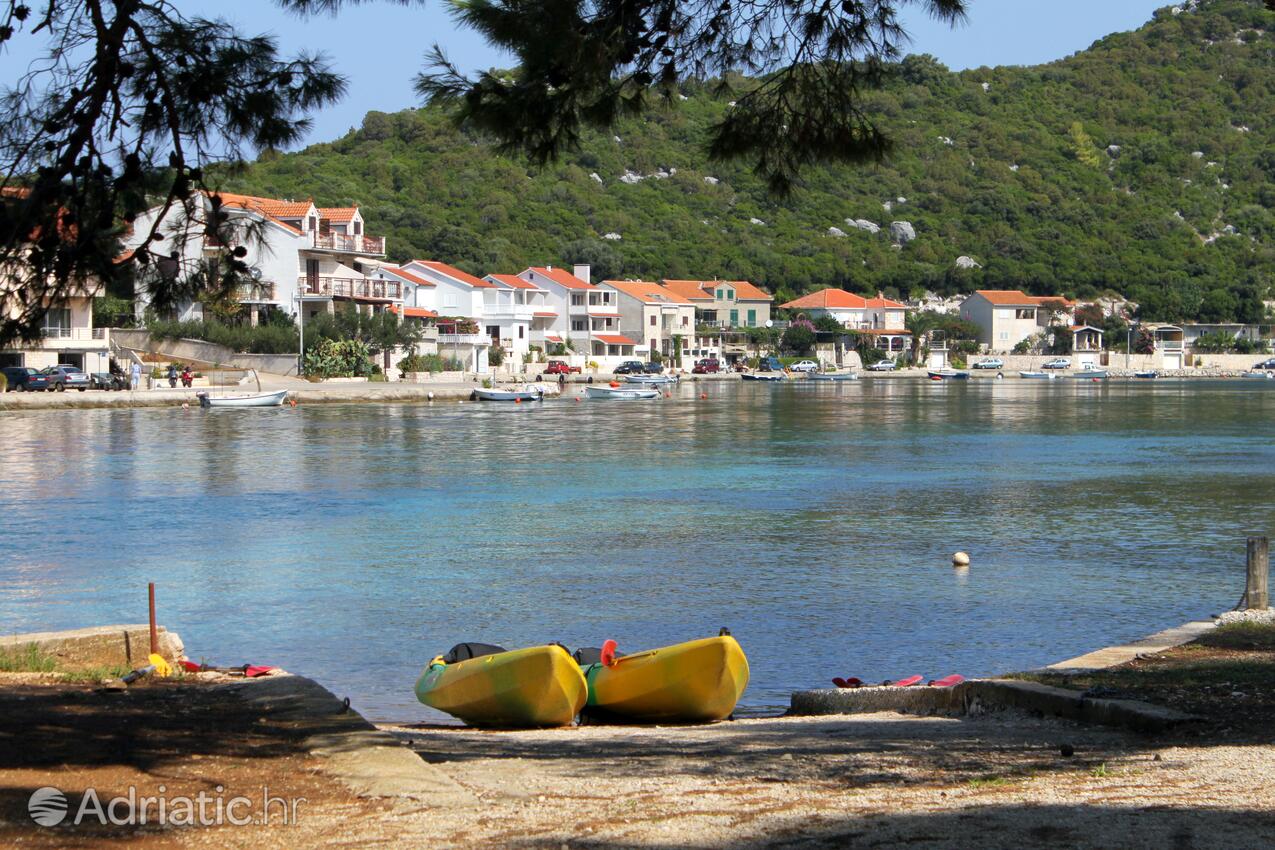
{"x":650,"y":379}
{"x":699,"y":681}
{"x":1038,"y":376}
{"x":258,"y":399}
{"x":522,"y":393}
{"x":1090,"y":373}
{"x":762,"y":376}
{"x":948,"y":375}
{"x":620,"y":393}
{"x":1147,"y":374}
{"x":485,"y":685}
{"x":832,"y":376}
{"x":1260,"y":375}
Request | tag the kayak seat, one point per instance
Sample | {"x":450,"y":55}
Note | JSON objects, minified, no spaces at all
{"x":466,"y":651}
{"x":587,"y":655}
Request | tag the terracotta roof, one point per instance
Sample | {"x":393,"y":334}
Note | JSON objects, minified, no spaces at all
{"x":269,"y":208}
{"x":419,"y":312}
{"x":407,"y":276}
{"x":881,"y":301}
{"x":338,"y":214}
{"x":691,"y":289}
{"x":647,"y":292}
{"x":614,"y":339}
{"x":512,"y":280}
{"x":552,"y":338}
{"x":455,"y":274}
{"x":828,"y":299}
{"x":745,"y":291}
{"x":700,"y":289}
{"x":562,"y":277}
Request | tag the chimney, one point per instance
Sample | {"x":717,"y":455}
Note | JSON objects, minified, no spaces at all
{"x":582,"y":272}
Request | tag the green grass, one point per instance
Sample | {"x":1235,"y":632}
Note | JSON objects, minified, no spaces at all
{"x":26,"y":659}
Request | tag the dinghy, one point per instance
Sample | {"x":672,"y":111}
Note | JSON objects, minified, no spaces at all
{"x":832,"y":376}
{"x":523,"y":393}
{"x":620,"y":393}
{"x":257,"y":399}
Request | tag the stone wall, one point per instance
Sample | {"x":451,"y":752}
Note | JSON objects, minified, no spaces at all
{"x":202,"y":351}
{"x":104,"y":646}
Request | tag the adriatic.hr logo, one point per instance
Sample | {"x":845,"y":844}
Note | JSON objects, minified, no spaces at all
{"x":47,"y":806}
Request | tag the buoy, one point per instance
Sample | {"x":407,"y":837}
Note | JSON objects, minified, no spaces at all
{"x":292,"y":402}
{"x":430,"y":395}
{"x":703,"y":395}
{"x":185,"y":406}
{"x":668,"y":395}
{"x":577,"y":398}
{"x":960,"y":559}
{"x":517,"y":401}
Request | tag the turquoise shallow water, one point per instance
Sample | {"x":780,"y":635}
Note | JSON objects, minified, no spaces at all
{"x":352,"y":543}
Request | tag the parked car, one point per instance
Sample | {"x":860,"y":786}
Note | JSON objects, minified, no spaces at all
{"x":804,"y":366}
{"x":1056,"y":363}
{"x":989,"y":363}
{"x":770,"y":364}
{"x":630,"y":367}
{"x":882,"y":366}
{"x":108,"y":381}
{"x":653,"y":368}
{"x":707,"y":366}
{"x":25,"y":379}
{"x":63,"y":377}
{"x":1265,"y":364}
{"x":560,"y":367}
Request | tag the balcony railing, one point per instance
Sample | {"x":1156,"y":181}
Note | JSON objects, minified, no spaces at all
{"x":250,"y":293}
{"x":71,"y":338}
{"x":359,"y":244}
{"x":463,"y":339}
{"x":351,"y":287}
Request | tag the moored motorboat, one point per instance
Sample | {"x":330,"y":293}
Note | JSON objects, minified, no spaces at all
{"x":1090,"y":373}
{"x":1260,"y":375}
{"x":1038,"y":376}
{"x":832,"y":376}
{"x":948,"y":375}
{"x":699,"y":681}
{"x":762,"y":376}
{"x":650,"y":379}
{"x":272,"y":399}
{"x":1151,"y":373}
{"x":620,"y":393}
{"x":522,"y":393}
{"x":486,"y":685}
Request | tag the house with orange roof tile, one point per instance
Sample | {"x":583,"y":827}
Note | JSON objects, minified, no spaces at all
{"x":880,"y":317}
{"x":459,"y":298}
{"x":302,"y":258}
{"x":725,"y":304}
{"x":657,"y":319}
{"x":1006,"y":317}
{"x":517,"y":313}
{"x":587,"y":320}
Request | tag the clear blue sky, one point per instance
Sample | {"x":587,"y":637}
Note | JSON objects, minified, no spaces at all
{"x":381,"y":46}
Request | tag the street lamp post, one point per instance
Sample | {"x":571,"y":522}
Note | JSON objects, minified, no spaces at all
{"x":301,"y":323}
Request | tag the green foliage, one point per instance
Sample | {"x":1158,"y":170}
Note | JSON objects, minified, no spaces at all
{"x":871,"y":355}
{"x":27,"y":658}
{"x":262,"y":339}
{"x":827,"y":324}
{"x":1082,"y":146}
{"x":799,"y":336}
{"x":111,"y":311}
{"x":1023,"y":346}
{"x":422,"y":363}
{"x":329,"y":358}
{"x":4,"y":382}
{"x":1063,"y":340}
{"x":1057,"y":224}
{"x":495,"y":356}
{"x":378,"y":332}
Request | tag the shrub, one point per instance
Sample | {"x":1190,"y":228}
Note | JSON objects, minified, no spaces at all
{"x":331,"y":359}
{"x":800,"y":336}
{"x":495,"y":356}
{"x":871,"y":355}
{"x":270,"y":338}
{"x":4,"y":382}
{"x":422,"y":363}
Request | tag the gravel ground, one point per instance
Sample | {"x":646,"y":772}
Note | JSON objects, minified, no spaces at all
{"x":880,"y":780}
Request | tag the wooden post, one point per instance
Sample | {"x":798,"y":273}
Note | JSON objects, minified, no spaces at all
{"x":154,"y":631}
{"x":1256,"y":589}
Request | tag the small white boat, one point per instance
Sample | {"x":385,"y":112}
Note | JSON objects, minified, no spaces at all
{"x":1038,"y":376}
{"x":1147,"y":374}
{"x":832,"y":376}
{"x":1260,"y":375}
{"x":523,"y":393}
{"x":1090,"y":373}
{"x":273,"y":399}
{"x":763,"y":376}
{"x":948,"y":375}
{"x":650,"y":379}
{"x":620,"y":393}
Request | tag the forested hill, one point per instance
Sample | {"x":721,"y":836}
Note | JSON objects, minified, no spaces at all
{"x":1143,"y":165}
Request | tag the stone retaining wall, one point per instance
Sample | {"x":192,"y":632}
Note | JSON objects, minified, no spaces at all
{"x":104,"y":646}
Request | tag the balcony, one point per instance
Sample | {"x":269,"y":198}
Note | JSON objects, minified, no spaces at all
{"x":351,"y":287}
{"x":463,"y":339}
{"x":58,"y":338}
{"x":347,"y":244}
{"x":256,"y":293}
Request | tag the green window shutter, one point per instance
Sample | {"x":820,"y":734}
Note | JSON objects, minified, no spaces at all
{"x":734,"y":318}
{"x":752,"y":318}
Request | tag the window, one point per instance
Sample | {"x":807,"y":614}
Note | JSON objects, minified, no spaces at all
{"x":1028,"y":313}
{"x":734,"y":318}
{"x":520,"y":330}
{"x":653,"y":321}
{"x":719,"y":295}
{"x":57,"y":321}
{"x":577,"y":299}
{"x":730,"y":295}
{"x":577,"y":325}
{"x":358,"y":227}
{"x":752,"y":318}
{"x":685,"y":321}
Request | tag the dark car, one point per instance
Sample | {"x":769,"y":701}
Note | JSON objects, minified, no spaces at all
{"x":25,"y":379}
{"x":770,"y":364}
{"x":630,"y":367}
{"x":653,"y":368}
{"x":707,"y":366}
{"x":62,"y":377}
{"x":1264,"y":365}
{"x":108,"y":381}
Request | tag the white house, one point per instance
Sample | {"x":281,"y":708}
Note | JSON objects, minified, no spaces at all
{"x":586,"y":318}
{"x":459,"y":299}
{"x":1006,"y":317}
{"x":517,"y":312}
{"x":656,"y":315}
{"x":880,"y":317}
{"x":67,"y":336}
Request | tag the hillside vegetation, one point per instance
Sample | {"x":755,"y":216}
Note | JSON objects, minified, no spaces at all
{"x":1144,"y":165}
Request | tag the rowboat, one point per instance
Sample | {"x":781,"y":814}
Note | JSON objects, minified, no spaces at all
{"x":273,"y":399}
{"x":523,"y":393}
{"x":762,"y":376}
{"x":832,"y":376}
{"x":1038,"y":376}
{"x":650,"y":379}
{"x":1147,"y":374}
{"x":948,"y":375}
{"x":699,"y":681}
{"x":621,"y":393}
{"x":539,"y":686}
{"x":1090,"y":374}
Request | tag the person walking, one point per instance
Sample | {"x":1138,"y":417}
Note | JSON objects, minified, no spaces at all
{"x":135,"y":374}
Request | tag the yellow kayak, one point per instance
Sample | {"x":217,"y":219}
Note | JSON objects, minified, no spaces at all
{"x":694,"y":682}
{"x":536,"y":686}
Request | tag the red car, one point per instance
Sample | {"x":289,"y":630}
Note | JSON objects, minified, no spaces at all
{"x":706,"y":366}
{"x":560,"y":367}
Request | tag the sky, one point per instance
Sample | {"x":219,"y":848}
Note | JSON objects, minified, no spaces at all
{"x":381,"y":46}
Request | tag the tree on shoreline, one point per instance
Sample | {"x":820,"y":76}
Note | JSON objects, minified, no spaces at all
{"x":134,"y":101}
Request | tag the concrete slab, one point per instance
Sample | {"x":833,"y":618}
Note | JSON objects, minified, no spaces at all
{"x":1113,"y":656}
{"x":916,"y":700}
{"x":102,"y":646}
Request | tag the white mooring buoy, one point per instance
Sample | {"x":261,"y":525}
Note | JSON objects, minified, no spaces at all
{"x":960,"y":559}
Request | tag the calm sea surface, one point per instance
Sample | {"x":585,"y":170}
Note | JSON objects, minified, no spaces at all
{"x":352,"y":543}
